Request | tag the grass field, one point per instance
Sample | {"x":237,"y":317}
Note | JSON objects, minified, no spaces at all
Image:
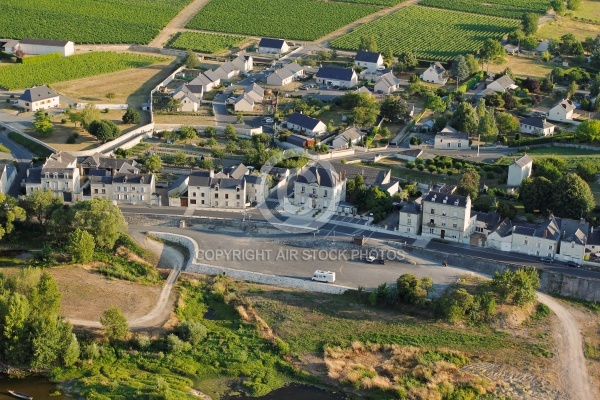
{"x":433,"y":34}
{"x":562,"y":151}
{"x":301,"y":19}
{"x":499,"y":8}
{"x":20,"y":76}
{"x":87,"y":21}
{"x":589,"y":9}
{"x":524,"y":66}
{"x":205,"y":42}
{"x":562,"y":25}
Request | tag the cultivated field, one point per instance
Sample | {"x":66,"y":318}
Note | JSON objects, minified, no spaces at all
{"x":20,"y":76}
{"x":561,"y":26}
{"x":499,"y":8}
{"x":432,"y":33}
{"x":87,"y":21}
{"x":301,"y":19}
{"x":205,"y":42}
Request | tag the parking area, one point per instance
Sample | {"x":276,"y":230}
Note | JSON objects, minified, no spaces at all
{"x":350,"y":219}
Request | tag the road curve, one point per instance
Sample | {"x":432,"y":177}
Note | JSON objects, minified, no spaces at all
{"x":573,"y":365}
{"x":159,"y":313}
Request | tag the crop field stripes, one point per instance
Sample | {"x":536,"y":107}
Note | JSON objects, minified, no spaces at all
{"x":298,"y":19}
{"x":205,"y":42}
{"x":433,"y":34}
{"x":498,"y":8}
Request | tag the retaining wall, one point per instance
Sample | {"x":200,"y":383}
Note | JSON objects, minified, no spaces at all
{"x":194,"y":267}
{"x":52,"y":149}
{"x":125,"y":141}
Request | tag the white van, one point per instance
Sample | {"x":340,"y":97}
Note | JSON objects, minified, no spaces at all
{"x":324,"y":276}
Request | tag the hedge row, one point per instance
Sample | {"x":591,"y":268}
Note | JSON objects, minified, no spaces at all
{"x":543,"y":140}
{"x":37,"y":59}
{"x":30,"y":145}
{"x":471,"y":81}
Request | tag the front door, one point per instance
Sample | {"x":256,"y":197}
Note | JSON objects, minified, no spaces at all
{"x":442,"y":233}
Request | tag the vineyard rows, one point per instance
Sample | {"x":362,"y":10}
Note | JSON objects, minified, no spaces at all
{"x":298,"y":19}
{"x":205,"y":42}
{"x":21,"y":76}
{"x":499,"y":8}
{"x":385,"y":3}
{"x":87,"y":21}
{"x":432,"y":33}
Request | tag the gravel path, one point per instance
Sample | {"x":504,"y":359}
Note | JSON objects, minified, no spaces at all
{"x":178,"y":23}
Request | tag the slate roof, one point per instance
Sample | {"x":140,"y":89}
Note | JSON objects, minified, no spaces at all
{"x":322,"y":176}
{"x":411,"y":152}
{"x":523,"y":161}
{"x":549,"y":229}
{"x":38,"y":93}
{"x":271,"y":43}
{"x":504,"y":228}
{"x":34,"y":175}
{"x":45,"y":42}
{"x":367,"y":56}
{"x":253,"y":179}
{"x":536,"y":122}
{"x":237,"y":171}
{"x":438,"y":68}
{"x":372,"y":176}
{"x":574,"y":231}
{"x":351,"y":133}
{"x":228,"y":183}
{"x":60,"y":160}
{"x":363,"y":89}
{"x":297,"y":140}
{"x":200,"y":178}
{"x":491,"y":219}
{"x":451,"y":199}
{"x":414,"y":207}
{"x":567,"y":104}
{"x":98,"y":161}
{"x":452,"y":135}
{"x":341,"y":74}
{"x":184,"y":91}
{"x":303,"y":120}
{"x":389,"y":80}
{"x":505,"y":82}
{"x":594,"y":237}
{"x":288,"y":70}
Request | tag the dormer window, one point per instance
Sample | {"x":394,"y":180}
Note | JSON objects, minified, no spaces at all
{"x":216,"y":188}
{"x":56,"y":175}
{"x":66,"y":176}
{"x":456,"y":202}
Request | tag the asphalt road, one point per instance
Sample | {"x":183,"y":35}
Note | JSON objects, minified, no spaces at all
{"x":19,"y":152}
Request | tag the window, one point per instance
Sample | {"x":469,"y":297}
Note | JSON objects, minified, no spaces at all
{"x":525,"y":241}
{"x":443,"y":223}
{"x":216,"y":195}
{"x":325,"y":193}
{"x":95,"y":190}
{"x":302,"y":189}
{"x":407,"y":229}
{"x":103,"y":191}
{"x":432,"y":221}
{"x":455,"y":225}
{"x":193,"y":201}
{"x":226,"y":197}
{"x":431,"y":230}
{"x":550,"y":247}
{"x":444,"y":213}
{"x":539,"y":245}
{"x":216,"y":188}
{"x":448,"y":144}
{"x":537,"y":253}
{"x":458,"y":144}
{"x":549,"y":254}
{"x":408,"y":221}
{"x":314,"y":191}
{"x":193,"y":194}
{"x":226,"y":204}
{"x":238,"y":197}
{"x":433,"y":211}
{"x":478,"y":229}
{"x":202,"y":202}
{"x":201,"y":194}
{"x":455,"y":215}
{"x":573,"y":245}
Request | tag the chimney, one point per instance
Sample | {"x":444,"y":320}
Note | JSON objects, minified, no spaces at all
{"x":591,"y":229}
{"x":564,"y":234}
{"x":551,"y":216}
{"x":582,"y":221}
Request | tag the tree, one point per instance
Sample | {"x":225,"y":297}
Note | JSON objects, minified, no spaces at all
{"x":413,"y":290}
{"x":379,"y":202}
{"x":15,"y":327}
{"x":507,"y":123}
{"x":394,"y":109}
{"x":509,"y":100}
{"x":187,"y":133}
{"x":104,"y":130}
{"x":173,"y":105}
{"x":589,"y":131}
{"x":388,"y":56}
{"x":103,"y":220}
{"x":570,"y":45}
{"x":549,"y":167}
{"x":573,"y":197}
{"x":74,"y":117}
{"x":407,"y":62}
{"x":153,"y":163}
{"x":572,"y":89}
{"x":491,"y":50}
{"x":529,"y":22}
{"x":469,"y":184}
{"x":39,"y":205}
{"x":179,"y":158}
{"x":588,"y":170}
{"x":115,"y":324}
{"x":210,"y":132}
{"x":516,"y":287}
{"x":435,"y":103}
{"x":230,"y":132}
{"x":536,"y":193}
{"x":595,"y":86}
{"x":89,"y":114}
{"x":367,"y":43}
{"x":460,"y":69}
{"x":472,"y":63}
{"x":71,"y":352}
{"x":573,"y":4}
{"x":487,"y":127}
{"x":480,"y":108}
{"x":218,"y":153}
{"x":9,"y":213}
{"x":81,"y":246}
{"x":533,"y":85}
{"x":231,"y":146}
{"x":206,"y":163}
{"x":191,"y":59}
{"x":193,"y":332}
{"x":558,"y":6}
{"x":42,"y":124}
{"x":131,"y":116}
{"x":464,"y":118}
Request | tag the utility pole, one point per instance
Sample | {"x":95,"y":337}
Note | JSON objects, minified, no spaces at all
{"x":478,"y":141}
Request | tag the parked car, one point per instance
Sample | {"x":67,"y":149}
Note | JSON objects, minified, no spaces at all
{"x":230,"y":100}
{"x":547,"y":260}
{"x":267,"y":120}
{"x":305,"y":87}
{"x":573,"y":264}
{"x":370,"y":259}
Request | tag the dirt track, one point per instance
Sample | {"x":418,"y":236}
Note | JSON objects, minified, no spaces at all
{"x":178,"y":23}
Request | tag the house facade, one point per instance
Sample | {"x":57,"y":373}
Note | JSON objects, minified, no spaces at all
{"x":319,"y":188}
{"x":539,"y":241}
{"x":446,"y":216}
{"x":573,"y":242}
{"x":563,"y":111}
{"x":244,"y":103}
{"x":411,"y":218}
{"x":38,"y":98}
{"x":436,"y":73}
{"x":536,"y":126}
{"x":59,"y":174}
{"x":333,"y":76}
{"x":189,"y":102}
{"x":8,"y":173}
{"x":502,"y":84}
{"x":42,"y":46}
{"x":208,"y":81}
{"x":286,"y":75}
{"x":449,"y":139}
{"x":520,"y":169}
{"x":387,"y":84}
{"x":272,"y":46}
{"x":349,"y":137}
{"x":305,"y":124}
{"x":124,"y":188}
{"x":207,"y":191}
{"x":368,"y":60}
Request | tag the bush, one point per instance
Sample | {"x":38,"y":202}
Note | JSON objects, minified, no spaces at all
{"x":72,"y":139}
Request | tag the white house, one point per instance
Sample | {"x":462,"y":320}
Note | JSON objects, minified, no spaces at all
{"x":446,"y":216}
{"x":541,"y":240}
{"x":189,"y":102}
{"x":227,"y":71}
{"x":449,"y":138}
{"x":333,"y":76}
{"x":124,"y":188}
{"x":347,"y":138}
{"x":272,"y":46}
{"x":256,"y":92}
{"x":305,"y":124}
{"x":286,"y":75}
{"x":387,"y":84}
{"x":500,"y":238}
{"x":243,"y":103}
{"x":8,"y":173}
{"x":543,"y":46}
{"x":502,"y":84}
{"x":520,"y":169}
{"x":364,"y":89}
{"x":42,"y":46}
{"x":536,"y":126}
{"x":243,"y":63}
{"x":205,"y":82}
{"x":38,"y":98}
{"x":8,"y":45}
{"x":369,"y":61}
{"x":563,"y":111}
{"x":436,"y":73}
{"x":410,"y":218}
{"x":318,"y":188}
{"x":573,"y":241}
{"x":58,"y":174}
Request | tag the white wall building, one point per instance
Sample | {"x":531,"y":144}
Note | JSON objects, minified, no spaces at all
{"x":38,"y":98}
{"x":536,"y":126}
{"x":446,"y":216}
{"x":563,"y":111}
{"x":369,"y":61}
{"x":42,"y":46}
{"x":520,"y":169}
{"x":272,"y":46}
{"x":436,"y":73}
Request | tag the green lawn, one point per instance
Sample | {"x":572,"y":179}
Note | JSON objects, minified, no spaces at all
{"x":562,"y":151}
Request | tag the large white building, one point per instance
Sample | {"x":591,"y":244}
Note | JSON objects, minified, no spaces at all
{"x":305,"y":124}
{"x":272,"y":46}
{"x":369,"y":61}
{"x":334,"y":76}
{"x":447,"y":216}
{"x":436,"y":73}
{"x":319,"y":188}
{"x":563,"y":111}
{"x":58,"y":174}
{"x":450,"y":139}
{"x":38,"y":98}
{"x":42,"y":46}
{"x":536,"y":126}
{"x":124,"y":188}
{"x":286,"y":74}
{"x":520,"y":169}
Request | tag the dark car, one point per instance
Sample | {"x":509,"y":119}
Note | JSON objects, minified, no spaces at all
{"x":573,"y":264}
{"x":547,"y":260}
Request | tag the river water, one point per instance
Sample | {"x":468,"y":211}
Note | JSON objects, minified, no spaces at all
{"x":37,"y":386}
